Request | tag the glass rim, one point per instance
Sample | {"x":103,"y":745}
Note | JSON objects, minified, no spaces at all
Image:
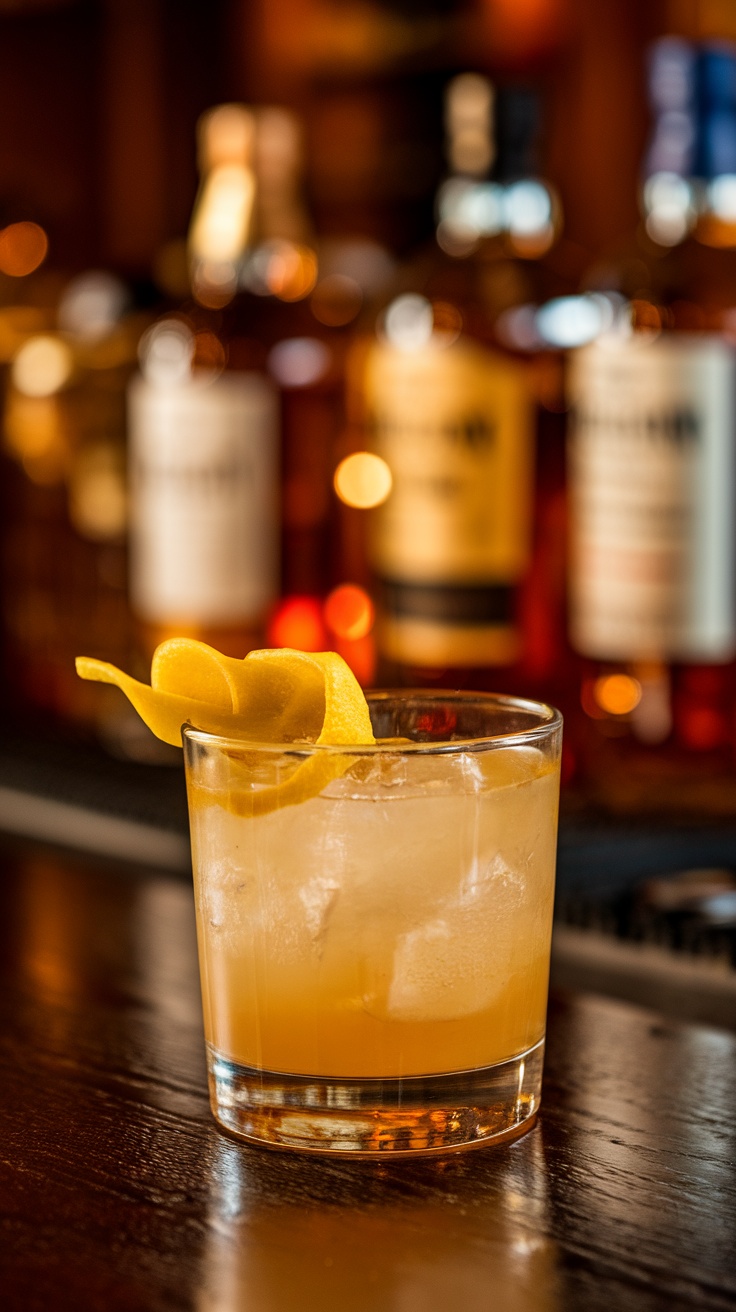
{"x":550,"y":723}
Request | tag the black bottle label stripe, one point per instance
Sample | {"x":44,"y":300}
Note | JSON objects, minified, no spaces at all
{"x":450,"y":603}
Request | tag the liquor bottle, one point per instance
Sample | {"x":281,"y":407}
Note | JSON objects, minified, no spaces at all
{"x":652,"y":465}
{"x":675,"y":272}
{"x":450,"y":409}
{"x":306,"y":293}
{"x":302,"y":296}
{"x":204,"y":433}
{"x":304,"y":355}
{"x":204,"y":510}
{"x":64,"y":558}
{"x":271,"y":302}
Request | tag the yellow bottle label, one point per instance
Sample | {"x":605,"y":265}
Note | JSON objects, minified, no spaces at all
{"x":454,"y":423}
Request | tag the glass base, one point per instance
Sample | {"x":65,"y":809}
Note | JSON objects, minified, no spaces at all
{"x":420,"y":1114}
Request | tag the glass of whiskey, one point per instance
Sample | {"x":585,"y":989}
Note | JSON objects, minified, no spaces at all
{"x":374,"y":926}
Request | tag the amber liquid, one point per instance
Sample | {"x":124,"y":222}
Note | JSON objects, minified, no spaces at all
{"x":390,"y":927}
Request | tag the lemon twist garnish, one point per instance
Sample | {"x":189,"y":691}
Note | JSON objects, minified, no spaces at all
{"x":275,"y":696}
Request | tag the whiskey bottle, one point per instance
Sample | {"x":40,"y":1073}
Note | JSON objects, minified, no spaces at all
{"x":203,"y":432}
{"x":652,"y":467}
{"x":204,"y":509}
{"x":652,"y":564}
{"x":450,"y":408}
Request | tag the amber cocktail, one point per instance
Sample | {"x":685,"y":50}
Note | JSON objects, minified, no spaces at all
{"x":374,"y":958}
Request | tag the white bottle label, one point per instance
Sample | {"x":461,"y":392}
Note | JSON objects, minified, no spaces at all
{"x":651,"y":460}
{"x":204,"y":499}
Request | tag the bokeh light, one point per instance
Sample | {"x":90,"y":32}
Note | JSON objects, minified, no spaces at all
{"x":569,"y":321}
{"x":617,"y":694}
{"x":92,"y":304}
{"x":349,"y":611}
{"x":281,"y":268}
{"x":214,"y":283}
{"x":409,"y":322}
{"x":221,"y":224}
{"x":299,"y":361}
{"x":291,"y":271}
{"x":97,"y":493}
{"x":34,"y":435}
{"x":223,"y":215}
{"x":363,"y":480}
{"x":360,"y":654}
{"x":336,"y":300}
{"x":42,"y":366}
{"x":23,"y":248}
{"x":297,"y":622}
{"x":166,"y":352}
{"x":532,"y":217}
{"x":670,"y":207}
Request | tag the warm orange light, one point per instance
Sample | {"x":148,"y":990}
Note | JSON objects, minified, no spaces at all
{"x":212,"y":293}
{"x":336,"y":300}
{"x":360,"y":655}
{"x":646,"y":316}
{"x":363,"y":480}
{"x":349,"y":611}
{"x":209,"y":352}
{"x":97,"y":493}
{"x":535,"y":245}
{"x":23,"y":248}
{"x":447,"y":320}
{"x":297,"y":622}
{"x":42,"y":366}
{"x":35,"y":435}
{"x":714,"y":231}
{"x":617,"y":694}
{"x":291,"y":272}
{"x":525,"y":30}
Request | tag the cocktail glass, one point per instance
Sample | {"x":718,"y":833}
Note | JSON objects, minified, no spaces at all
{"x":374,"y":939}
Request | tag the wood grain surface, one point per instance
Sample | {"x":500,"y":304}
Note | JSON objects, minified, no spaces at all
{"x":117,"y":1192}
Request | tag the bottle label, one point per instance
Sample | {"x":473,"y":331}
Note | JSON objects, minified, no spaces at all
{"x":454,"y":424}
{"x":651,"y":461}
{"x":204,"y":500}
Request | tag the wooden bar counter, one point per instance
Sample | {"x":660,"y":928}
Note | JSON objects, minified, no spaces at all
{"x":118,"y":1194}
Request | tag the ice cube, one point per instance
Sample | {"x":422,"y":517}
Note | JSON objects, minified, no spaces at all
{"x":318,"y":898}
{"x":434,"y":978}
{"x":403,"y":775}
{"x":501,"y":768}
{"x":456,"y":963}
{"x":495,"y":878}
